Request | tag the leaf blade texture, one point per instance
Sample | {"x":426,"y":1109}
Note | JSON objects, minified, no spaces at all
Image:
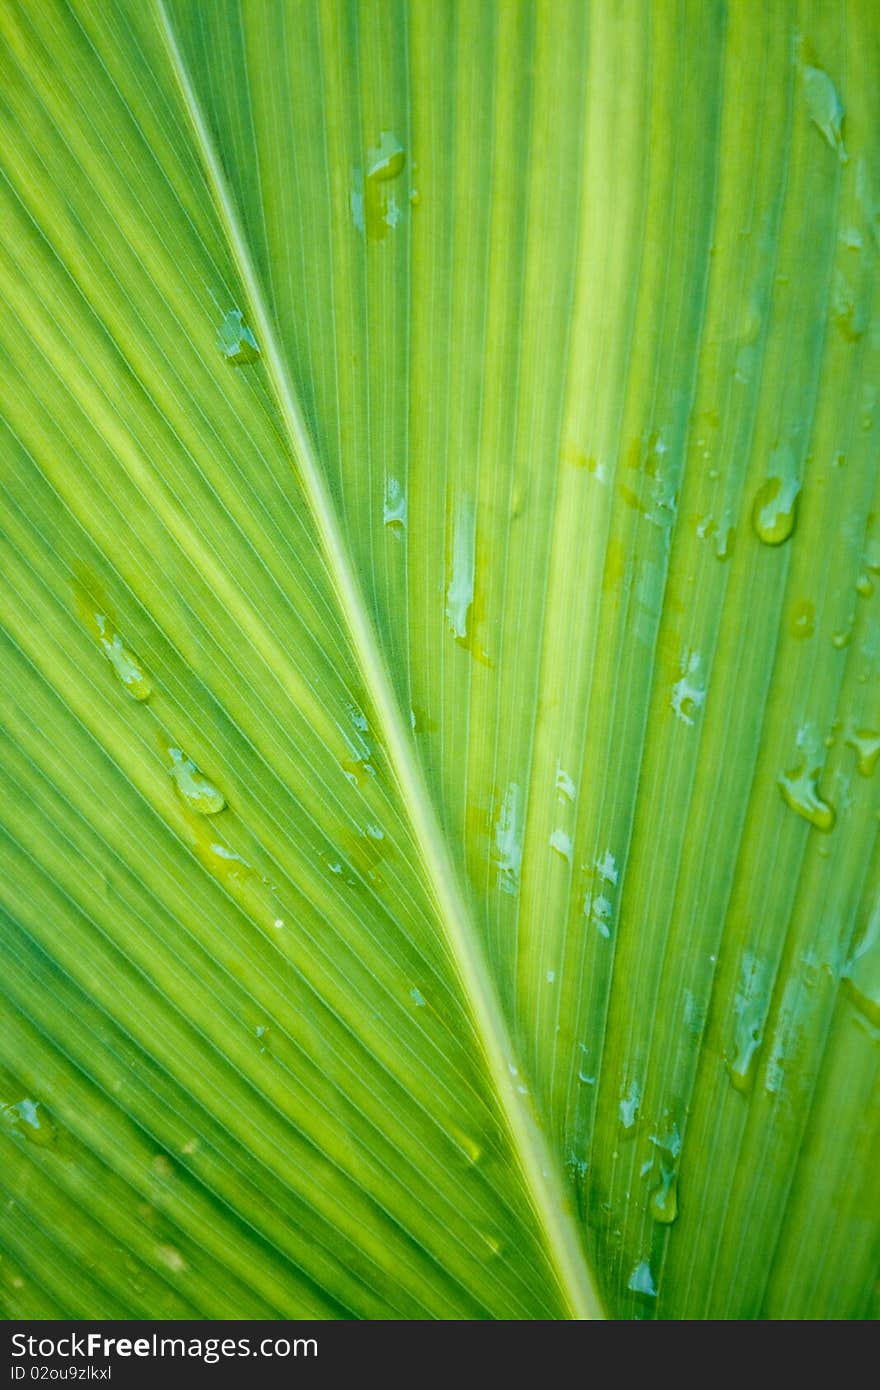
{"x":440,"y":661}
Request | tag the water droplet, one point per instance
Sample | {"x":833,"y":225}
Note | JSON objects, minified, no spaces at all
{"x":866,"y":743}
{"x":825,"y":108}
{"x":364,"y":849}
{"x":864,"y":586}
{"x":356,"y":200}
{"x":197,"y":790}
{"x":750,"y":1009}
{"x":800,"y":791}
{"x":420,"y":721}
{"x":236,"y":341}
{"x":358,"y":767}
{"x":508,"y":841}
{"x":842,"y":639}
{"x":724,"y":541}
{"x":460,"y":590}
{"x":642,"y":1281}
{"x":629,"y":1104}
{"x":564,"y":784}
{"x":393,"y":211}
{"x":219,"y":859}
{"x":358,"y":719}
{"x":386,"y":159}
{"x":606,"y":868}
{"x":357,"y":770}
{"x":850,"y":318}
{"x":374,"y":207}
{"x":598,"y":910}
{"x":128,"y":668}
{"x":560,"y":841}
{"x":577,"y":1167}
{"x":688,"y":693}
{"x":694,"y":1014}
{"x":94,"y":611}
{"x":775,"y":507}
{"x":872,"y":555}
{"x":417,"y":997}
{"x":866,"y":1001}
{"x":803,"y":619}
{"x":669,"y":1142}
{"x":163,"y":1167}
{"x":664,"y":1199}
{"x":861,"y":975}
{"x":28,"y":1119}
{"x":551,"y":977}
{"x":394,"y":506}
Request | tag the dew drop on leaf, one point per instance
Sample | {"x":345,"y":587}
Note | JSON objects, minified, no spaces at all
{"x":803,"y":619}
{"x":386,"y":159}
{"x":642,"y":1280}
{"x":688,"y":693}
{"x":560,"y":841}
{"x":236,"y":341}
{"x":800,"y":791}
{"x":850,"y":318}
{"x":864,"y":586}
{"x":599,"y":910}
{"x":394,"y":506}
{"x":197,"y":790}
{"x":126,"y":666}
{"x":565,"y":784}
{"x":825,"y":108}
{"x":460,"y":590}
{"x":774,"y":511}
{"x":221,"y":861}
{"x":664,"y":1199}
{"x":866,"y":743}
{"x":750,"y":1009}
{"x":842,"y":638}
{"x":508,"y":840}
{"x":94,"y":612}
{"x":629,"y":1105}
{"x":861,"y":975}
{"x":28,"y":1119}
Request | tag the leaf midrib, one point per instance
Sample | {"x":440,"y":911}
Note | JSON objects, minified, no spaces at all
{"x":546,"y":1186}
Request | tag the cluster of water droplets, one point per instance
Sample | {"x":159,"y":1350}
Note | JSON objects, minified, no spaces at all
{"x":197,"y":791}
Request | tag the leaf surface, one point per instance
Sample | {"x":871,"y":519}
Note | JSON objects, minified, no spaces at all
{"x":440,"y":660}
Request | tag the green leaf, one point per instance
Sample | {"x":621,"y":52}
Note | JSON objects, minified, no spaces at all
{"x":440,"y":659}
